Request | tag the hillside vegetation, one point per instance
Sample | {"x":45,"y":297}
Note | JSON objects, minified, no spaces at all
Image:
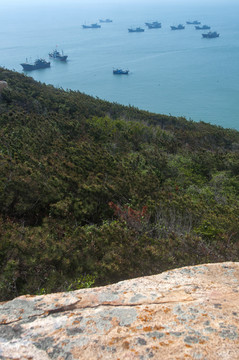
{"x":93,"y":192}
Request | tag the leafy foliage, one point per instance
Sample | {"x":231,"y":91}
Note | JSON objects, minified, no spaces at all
{"x":93,"y":192}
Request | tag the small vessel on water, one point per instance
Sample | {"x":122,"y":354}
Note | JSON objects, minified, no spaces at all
{"x":195,"y":22}
{"x":179,"y":27}
{"x":204,"y":27}
{"x":55,"y":54}
{"x":120,"y":72}
{"x":153,"y":25}
{"x":92,"y":26}
{"x":138,"y":29}
{"x":210,"y":35}
{"x":38,"y":64}
{"x":105,"y":21}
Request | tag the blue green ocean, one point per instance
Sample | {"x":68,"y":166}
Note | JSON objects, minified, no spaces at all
{"x":171,"y":72}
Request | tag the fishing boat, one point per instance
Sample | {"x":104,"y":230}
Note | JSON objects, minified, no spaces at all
{"x":179,"y":27}
{"x":55,"y":54}
{"x":92,"y":26}
{"x":38,"y":64}
{"x":195,"y":22}
{"x":138,"y":29}
{"x":120,"y":72}
{"x":210,"y":35}
{"x":153,"y":25}
{"x":105,"y":21}
{"x":204,"y":27}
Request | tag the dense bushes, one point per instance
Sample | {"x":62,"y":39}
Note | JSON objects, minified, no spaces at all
{"x":94,"y":192}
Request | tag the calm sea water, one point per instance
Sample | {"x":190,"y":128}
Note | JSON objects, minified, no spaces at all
{"x":171,"y":72}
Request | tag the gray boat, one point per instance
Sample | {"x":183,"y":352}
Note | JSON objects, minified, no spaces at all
{"x":38,"y":64}
{"x":105,"y":21}
{"x":55,"y":54}
{"x":195,"y":22}
{"x":154,"y":25}
{"x":138,"y":29}
{"x":92,"y":26}
{"x":179,"y":27}
{"x":120,"y":72}
{"x":204,"y":27}
{"x":210,"y":35}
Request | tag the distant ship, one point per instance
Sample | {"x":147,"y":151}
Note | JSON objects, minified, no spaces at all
{"x":55,"y":54}
{"x":210,"y":35}
{"x":154,"y":25}
{"x":105,"y":21}
{"x":138,"y":29}
{"x":179,"y":27}
{"x":120,"y":72}
{"x":204,"y":27}
{"x":38,"y":64}
{"x":195,"y":22}
{"x":92,"y":26}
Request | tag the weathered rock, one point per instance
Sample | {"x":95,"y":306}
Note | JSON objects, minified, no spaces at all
{"x":3,"y":85}
{"x":187,"y":313}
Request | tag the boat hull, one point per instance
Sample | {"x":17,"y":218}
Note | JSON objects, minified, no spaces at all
{"x":177,"y":27}
{"x":105,"y":21}
{"x":120,"y":72}
{"x":30,"y":67}
{"x":93,"y":26}
{"x":135,"y":30}
{"x":58,"y":57}
{"x":154,"y":25}
{"x":210,"y":35}
{"x":205,"y":27}
{"x":193,"y":22}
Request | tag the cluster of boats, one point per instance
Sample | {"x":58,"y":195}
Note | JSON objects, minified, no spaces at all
{"x":56,"y":55}
{"x":152,"y":25}
{"x":42,"y":63}
{"x":95,"y":25}
{"x":198,"y":26}
{"x":158,"y":25}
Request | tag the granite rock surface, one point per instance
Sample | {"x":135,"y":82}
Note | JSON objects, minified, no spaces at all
{"x":3,"y":85}
{"x":187,"y":313}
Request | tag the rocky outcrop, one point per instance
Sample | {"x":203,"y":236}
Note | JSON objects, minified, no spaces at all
{"x":187,"y":313}
{"x":3,"y":85}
